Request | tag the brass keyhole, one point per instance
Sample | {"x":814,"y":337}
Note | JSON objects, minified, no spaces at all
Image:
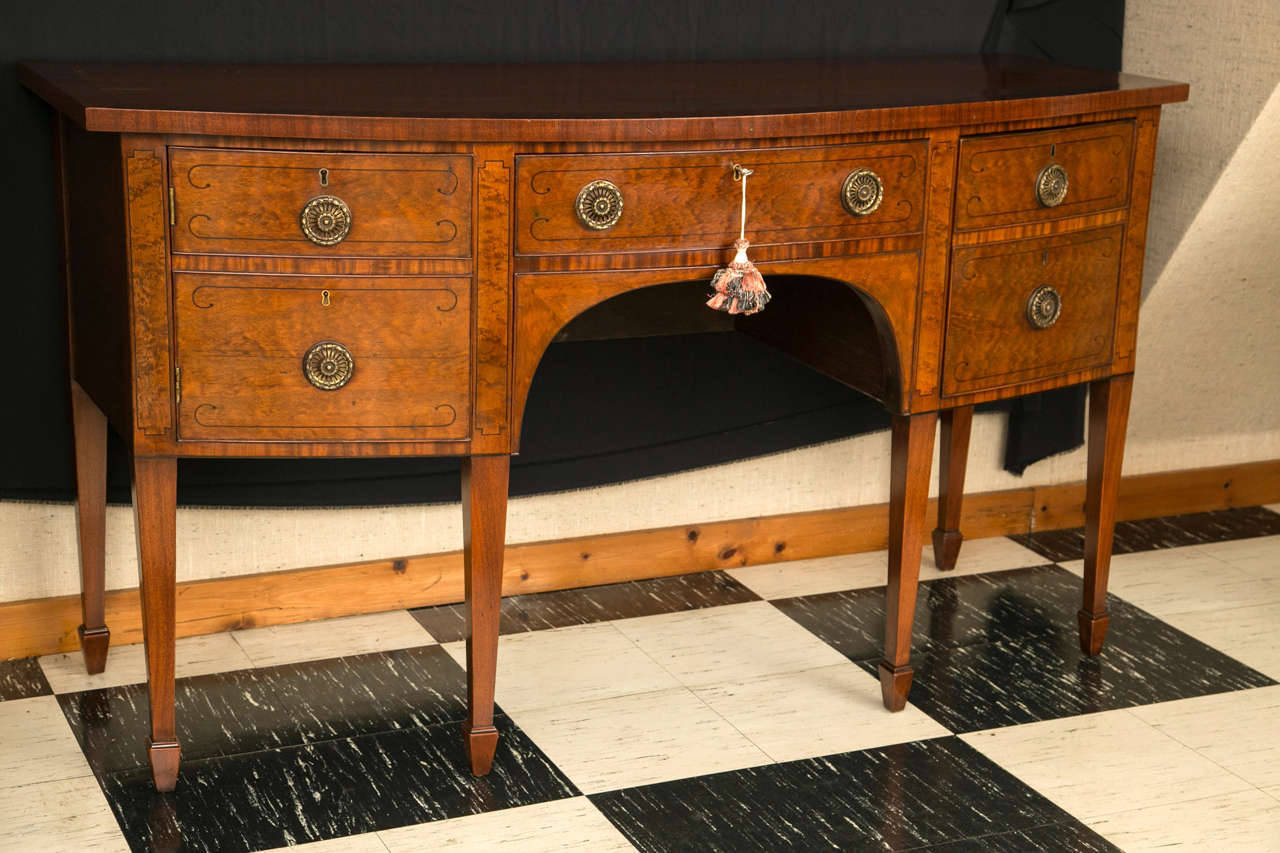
{"x":324,"y":177}
{"x":324,"y":297}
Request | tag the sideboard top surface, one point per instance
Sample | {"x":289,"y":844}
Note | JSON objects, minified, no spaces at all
{"x":619,"y":101}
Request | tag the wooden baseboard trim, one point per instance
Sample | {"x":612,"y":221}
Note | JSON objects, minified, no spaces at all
{"x":48,"y":625}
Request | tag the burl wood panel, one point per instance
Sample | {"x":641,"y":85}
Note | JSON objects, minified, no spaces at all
{"x":493,"y":296}
{"x":144,"y":170}
{"x":249,"y":202}
{"x":241,"y":342}
{"x":990,"y":342}
{"x":996,"y":181}
{"x":691,"y":201}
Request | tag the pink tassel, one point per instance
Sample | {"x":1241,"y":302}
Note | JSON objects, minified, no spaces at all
{"x":739,"y":288}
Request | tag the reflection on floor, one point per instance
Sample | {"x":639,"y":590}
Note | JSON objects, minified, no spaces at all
{"x":729,"y":711}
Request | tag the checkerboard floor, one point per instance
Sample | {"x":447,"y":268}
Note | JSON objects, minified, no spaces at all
{"x":730,"y":711}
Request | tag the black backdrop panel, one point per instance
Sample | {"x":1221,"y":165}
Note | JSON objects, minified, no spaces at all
{"x":584,"y":426}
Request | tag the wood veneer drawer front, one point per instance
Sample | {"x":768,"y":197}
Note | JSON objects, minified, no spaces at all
{"x":991,"y":339}
{"x":998,"y":175}
{"x":691,"y":200}
{"x":242,"y":341}
{"x":252,"y":203}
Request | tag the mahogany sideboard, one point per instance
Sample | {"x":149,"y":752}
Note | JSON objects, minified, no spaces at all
{"x":365,"y":260}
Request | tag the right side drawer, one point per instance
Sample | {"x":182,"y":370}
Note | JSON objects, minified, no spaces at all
{"x":1016,"y":178}
{"x":1031,"y":309}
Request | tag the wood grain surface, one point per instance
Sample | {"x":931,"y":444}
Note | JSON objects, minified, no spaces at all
{"x":242,"y":339}
{"x":631,"y":101}
{"x":691,"y":201}
{"x":249,"y":202}
{"x":996,"y":180}
{"x":989,"y":340}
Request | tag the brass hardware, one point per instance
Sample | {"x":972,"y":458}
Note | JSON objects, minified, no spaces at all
{"x":177,"y":385}
{"x":173,"y":209}
{"x":599,"y":205}
{"x":1044,"y":306}
{"x":326,"y":220}
{"x":324,"y":297}
{"x":862,"y":192}
{"x":328,"y":365}
{"x":1051,"y":185}
{"x":740,"y":171}
{"x":324,"y":177}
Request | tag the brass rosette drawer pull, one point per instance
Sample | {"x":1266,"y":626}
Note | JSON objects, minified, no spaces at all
{"x":599,"y":205}
{"x":862,"y":192}
{"x":326,"y":220}
{"x":328,"y":365}
{"x":1051,"y":185}
{"x":1044,"y":306}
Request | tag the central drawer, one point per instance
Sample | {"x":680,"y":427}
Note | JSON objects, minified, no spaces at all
{"x":229,"y":201}
{"x":685,"y":201}
{"x":266,"y":358}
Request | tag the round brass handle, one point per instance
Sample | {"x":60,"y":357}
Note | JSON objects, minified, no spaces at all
{"x":326,"y":220}
{"x":1044,"y":306}
{"x":328,"y":365}
{"x":599,"y":205}
{"x":1051,"y":185}
{"x":862,"y":192}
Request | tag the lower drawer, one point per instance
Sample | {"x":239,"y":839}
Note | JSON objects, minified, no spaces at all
{"x":266,"y":358}
{"x":1031,"y":309}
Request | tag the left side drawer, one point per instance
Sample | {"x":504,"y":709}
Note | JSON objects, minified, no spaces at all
{"x":267,"y":358}
{"x":320,"y":205}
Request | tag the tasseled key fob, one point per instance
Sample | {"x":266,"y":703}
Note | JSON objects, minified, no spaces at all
{"x":739,"y":288}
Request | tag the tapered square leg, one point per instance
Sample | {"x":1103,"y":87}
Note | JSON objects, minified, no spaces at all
{"x":911,"y":460}
{"x":155,"y":484}
{"x":484,"y":521}
{"x":90,"y":429}
{"x":953,"y":456}
{"x":1108,"y":418}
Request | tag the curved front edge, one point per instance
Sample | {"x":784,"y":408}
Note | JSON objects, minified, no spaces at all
{"x":881,"y":288}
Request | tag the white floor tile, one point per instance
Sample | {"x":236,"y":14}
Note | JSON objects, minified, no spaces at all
{"x":734,"y":642}
{"x":1247,"y":634}
{"x":638,"y":740}
{"x":1242,"y":822}
{"x":37,"y":744}
{"x":571,"y":824}
{"x":128,"y":664}
{"x":858,"y":571}
{"x":1273,"y":792}
{"x":580,"y":663}
{"x":816,"y":712}
{"x":1258,"y":555}
{"x":368,"y":842}
{"x":1239,"y":731}
{"x":1104,"y":763}
{"x":331,"y":638}
{"x":69,"y":815}
{"x":1184,"y":580}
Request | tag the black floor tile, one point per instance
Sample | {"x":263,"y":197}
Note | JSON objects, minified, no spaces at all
{"x":1072,"y":837}
{"x":899,"y":797}
{"x":22,"y":679}
{"x":533,"y":612}
{"x":328,"y":790}
{"x":1149,"y":534}
{"x":1001,"y":649}
{"x":280,"y":706}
